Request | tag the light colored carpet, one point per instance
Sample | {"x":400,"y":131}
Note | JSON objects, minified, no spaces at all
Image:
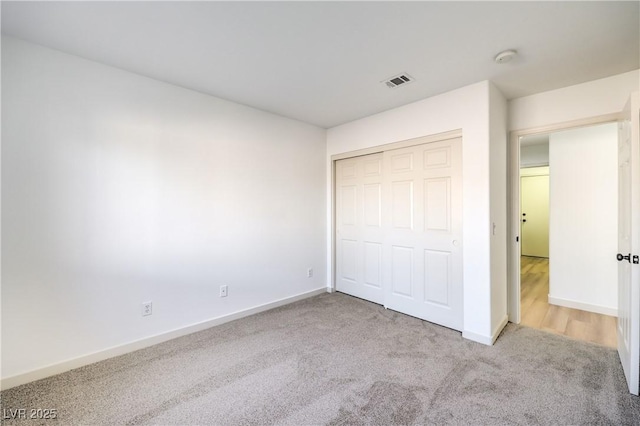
{"x":334,"y":359}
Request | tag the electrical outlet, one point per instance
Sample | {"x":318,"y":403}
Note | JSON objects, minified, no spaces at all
{"x":147,"y":308}
{"x":223,"y":290}
{"x":309,"y":272}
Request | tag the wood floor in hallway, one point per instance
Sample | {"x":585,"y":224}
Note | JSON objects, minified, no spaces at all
{"x":536,"y":311}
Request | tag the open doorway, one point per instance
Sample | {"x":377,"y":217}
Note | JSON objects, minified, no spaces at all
{"x":568,"y":230}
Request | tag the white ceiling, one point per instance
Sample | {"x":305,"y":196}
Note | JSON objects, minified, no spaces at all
{"x":322,"y":62}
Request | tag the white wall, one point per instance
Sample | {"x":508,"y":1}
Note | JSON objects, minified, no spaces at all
{"x":591,"y":99}
{"x":119,"y":189}
{"x":583,"y":230}
{"x":498,"y":190}
{"x":466,"y":108}
{"x":534,"y":155}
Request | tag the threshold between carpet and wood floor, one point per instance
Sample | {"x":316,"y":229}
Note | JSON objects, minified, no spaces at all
{"x":334,"y":359}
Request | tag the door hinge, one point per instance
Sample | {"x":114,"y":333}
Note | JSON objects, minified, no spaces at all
{"x":636,"y":259}
{"x":517,"y":239}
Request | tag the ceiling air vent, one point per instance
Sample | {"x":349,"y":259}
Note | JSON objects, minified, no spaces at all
{"x":398,"y":80}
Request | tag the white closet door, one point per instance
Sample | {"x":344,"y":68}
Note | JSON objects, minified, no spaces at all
{"x":422,"y":253}
{"x":399,"y":230}
{"x":359,"y":227}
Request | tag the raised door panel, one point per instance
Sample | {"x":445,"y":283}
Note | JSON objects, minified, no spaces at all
{"x":402,"y":270}
{"x":348,"y":170}
{"x":372,"y":167}
{"x":402,"y":204}
{"x":372,"y":205}
{"x":401,"y":163}
{"x":349,"y":205}
{"x":437,"y":204}
{"x":349,"y":260}
{"x":437,"y":277}
{"x":437,"y":157}
{"x":373,"y":264}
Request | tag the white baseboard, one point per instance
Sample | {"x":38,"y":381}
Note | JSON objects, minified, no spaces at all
{"x":480,"y":338}
{"x":598,"y":309}
{"x":61,"y":367}
{"x":486,"y":340}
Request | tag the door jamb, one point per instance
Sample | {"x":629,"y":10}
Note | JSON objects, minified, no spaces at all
{"x":513,"y":203}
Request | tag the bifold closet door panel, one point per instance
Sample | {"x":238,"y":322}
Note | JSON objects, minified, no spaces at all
{"x":359,"y":227}
{"x":422,"y":222}
{"x":399,"y":230}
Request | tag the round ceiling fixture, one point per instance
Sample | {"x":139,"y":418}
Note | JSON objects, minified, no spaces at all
{"x":505,"y":56}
